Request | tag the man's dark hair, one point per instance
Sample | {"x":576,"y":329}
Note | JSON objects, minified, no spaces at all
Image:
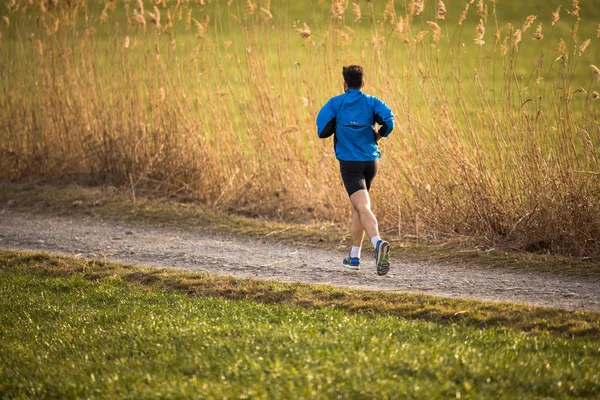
{"x":353,"y":76}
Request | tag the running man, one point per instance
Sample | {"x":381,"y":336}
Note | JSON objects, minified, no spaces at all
{"x":350,"y":118}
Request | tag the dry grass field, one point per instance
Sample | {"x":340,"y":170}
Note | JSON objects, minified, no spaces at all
{"x":496,"y":106}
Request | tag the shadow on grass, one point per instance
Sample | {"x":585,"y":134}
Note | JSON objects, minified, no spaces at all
{"x":527,"y":319}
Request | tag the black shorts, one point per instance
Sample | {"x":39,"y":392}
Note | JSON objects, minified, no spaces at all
{"x":358,"y":175}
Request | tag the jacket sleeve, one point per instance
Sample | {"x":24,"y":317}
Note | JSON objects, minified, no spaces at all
{"x":326,"y":121}
{"x":384,"y":117}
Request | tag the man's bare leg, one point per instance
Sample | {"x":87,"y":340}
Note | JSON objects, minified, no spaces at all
{"x":362,"y":206}
{"x":356,"y":229}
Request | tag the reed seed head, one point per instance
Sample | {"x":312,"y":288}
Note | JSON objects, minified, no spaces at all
{"x":482,"y":10}
{"x":389,"y":13}
{"x":266,"y":13}
{"x":155,"y":17}
{"x":422,"y":70}
{"x":529,"y":22}
{"x":595,"y":72}
{"x":420,"y":36}
{"x":188,"y":19}
{"x":250,"y":7}
{"x":356,"y":11}
{"x":416,"y":7}
{"x":463,"y":15}
{"x":337,"y":9}
{"x":538,"y":33}
{"x":441,"y":10}
{"x":584,"y":46}
{"x":201,"y":27}
{"x":517,"y":37}
{"x":556,"y":16}
{"x":140,"y":7}
{"x":436,"y":31}
{"x":479,"y":32}
{"x":401,"y":26}
{"x":575,"y":9}
{"x":304,"y":32}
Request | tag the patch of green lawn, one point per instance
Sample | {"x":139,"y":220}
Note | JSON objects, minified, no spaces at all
{"x":71,"y":328}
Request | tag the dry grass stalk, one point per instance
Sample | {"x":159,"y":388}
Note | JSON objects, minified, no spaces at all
{"x":584,"y":46}
{"x":155,"y":17}
{"x":344,"y":37}
{"x":463,"y":15}
{"x":266,"y":13}
{"x":562,"y":47}
{"x":497,"y":38}
{"x":436,"y":31}
{"x":337,"y":9}
{"x":482,"y":10}
{"x":538,"y":32}
{"x":595,"y":95}
{"x":575,"y":30}
{"x":517,"y":37}
{"x":195,"y":138}
{"x":356,"y":11}
{"x":188,"y":19}
{"x":401,"y":27}
{"x":595,"y":72}
{"x":304,"y":32}
{"x":479,"y":32}
{"x":504,"y":46}
{"x":556,"y":16}
{"x":250,"y":7}
{"x":441,"y":10}
{"x":140,"y":7}
{"x":422,"y":70}
{"x":377,"y":42}
{"x":420,"y":36}
{"x":201,"y":27}
{"x":169,"y":24}
{"x":416,"y":7}
{"x":528,"y":22}
{"x":389,"y":13}
{"x":575,"y":9}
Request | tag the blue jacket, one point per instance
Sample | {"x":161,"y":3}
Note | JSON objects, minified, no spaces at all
{"x":350,"y":118}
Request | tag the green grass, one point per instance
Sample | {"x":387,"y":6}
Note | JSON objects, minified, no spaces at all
{"x":74,"y":329}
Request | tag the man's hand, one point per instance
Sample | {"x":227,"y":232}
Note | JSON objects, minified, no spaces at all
{"x":376,"y":135}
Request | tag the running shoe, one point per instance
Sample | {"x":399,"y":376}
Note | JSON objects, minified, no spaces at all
{"x":351,"y":262}
{"x":382,"y":257}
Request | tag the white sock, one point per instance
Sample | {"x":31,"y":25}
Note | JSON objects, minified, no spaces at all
{"x":374,"y":240}
{"x":355,"y":252}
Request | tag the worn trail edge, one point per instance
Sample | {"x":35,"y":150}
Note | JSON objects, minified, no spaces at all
{"x":171,"y":248}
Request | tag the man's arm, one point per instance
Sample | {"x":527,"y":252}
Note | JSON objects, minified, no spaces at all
{"x":383,"y":117}
{"x":326,"y":121}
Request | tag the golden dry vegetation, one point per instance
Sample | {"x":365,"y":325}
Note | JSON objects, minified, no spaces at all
{"x":497,"y":127}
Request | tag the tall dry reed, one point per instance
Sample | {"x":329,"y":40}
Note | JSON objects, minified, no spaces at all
{"x":497,"y":135}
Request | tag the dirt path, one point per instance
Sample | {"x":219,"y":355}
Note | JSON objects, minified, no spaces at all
{"x":168,"y":248}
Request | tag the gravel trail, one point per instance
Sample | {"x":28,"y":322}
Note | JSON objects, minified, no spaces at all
{"x":241,"y":257}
